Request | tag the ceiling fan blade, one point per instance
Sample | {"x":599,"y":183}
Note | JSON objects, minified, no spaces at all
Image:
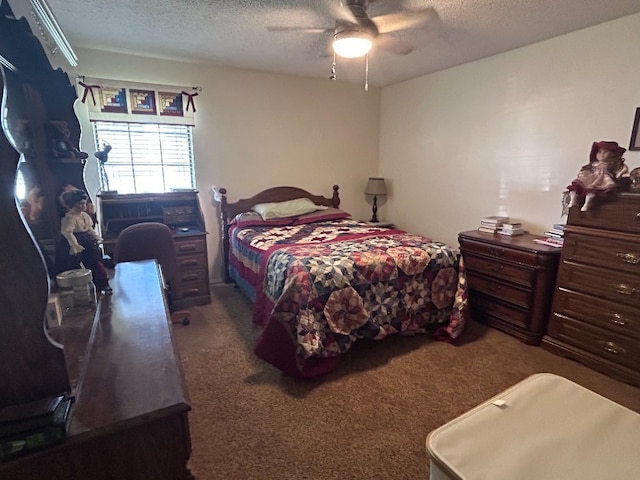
{"x":392,"y":22}
{"x":392,"y":44}
{"x":301,"y":29}
{"x":360,"y":18}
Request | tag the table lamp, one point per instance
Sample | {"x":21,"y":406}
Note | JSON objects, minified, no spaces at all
{"x":377,"y":188}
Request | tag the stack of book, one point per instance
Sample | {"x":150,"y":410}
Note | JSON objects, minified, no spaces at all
{"x":511,"y":228}
{"x":553,"y":237}
{"x":34,"y":425}
{"x":492,"y":223}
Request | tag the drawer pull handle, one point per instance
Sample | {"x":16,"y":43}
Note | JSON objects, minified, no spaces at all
{"x":187,"y":247}
{"x":494,"y":288}
{"x":624,"y":289}
{"x":497,"y":267}
{"x":619,"y":319}
{"x":190,"y":276}
{"x":637,"y":217}
{"x":498,"y":252}
{"x":188,"y":263}
{"x":629,"y":257}
{"x":613,"y":348}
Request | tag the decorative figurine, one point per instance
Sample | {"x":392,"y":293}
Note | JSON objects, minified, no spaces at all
{"x":598,"y":177}
{"x":77,"y":227}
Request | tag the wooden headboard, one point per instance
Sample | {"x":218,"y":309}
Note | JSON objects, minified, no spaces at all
{"x":275,"y":194}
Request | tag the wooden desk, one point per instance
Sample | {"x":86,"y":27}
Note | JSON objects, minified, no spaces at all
{"x":130,"y":416}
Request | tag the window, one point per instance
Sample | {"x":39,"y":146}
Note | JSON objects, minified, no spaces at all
{"x":145,"y":157}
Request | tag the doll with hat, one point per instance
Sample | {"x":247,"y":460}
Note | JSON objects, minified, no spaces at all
{"x":82,"y":242}
{"x":598,"y":177}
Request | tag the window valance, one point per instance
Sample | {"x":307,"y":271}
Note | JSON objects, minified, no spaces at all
{"x":119,"y":101}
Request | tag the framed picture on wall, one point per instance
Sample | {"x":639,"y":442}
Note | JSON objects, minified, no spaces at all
{"x":113,"y":100}
{"x":634,"y":144}
{"x":170,"y":104}
{"x":143,"y":101}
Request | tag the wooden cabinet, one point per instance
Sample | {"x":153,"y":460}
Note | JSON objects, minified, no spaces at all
{"x":130,"y":418}
{"x":181,"y":212}
{"x":596,"y":307}
{"x":511,"y":280}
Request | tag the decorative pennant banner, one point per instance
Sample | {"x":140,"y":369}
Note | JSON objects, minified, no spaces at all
{"x":117,"y":101}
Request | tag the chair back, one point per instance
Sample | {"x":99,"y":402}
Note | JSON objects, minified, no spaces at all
{"x":146,"y":241}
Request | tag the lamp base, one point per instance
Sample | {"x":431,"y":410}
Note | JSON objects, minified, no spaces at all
{"x":374,"y":210}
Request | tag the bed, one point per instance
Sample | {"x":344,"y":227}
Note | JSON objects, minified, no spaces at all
{"x":320,"y":280}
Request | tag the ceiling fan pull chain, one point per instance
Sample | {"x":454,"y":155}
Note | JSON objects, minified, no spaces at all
{"x":333,"y":68}
{"x":366,"y":73}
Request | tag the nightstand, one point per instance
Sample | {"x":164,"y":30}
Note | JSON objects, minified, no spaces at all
{"x":511,"y":282}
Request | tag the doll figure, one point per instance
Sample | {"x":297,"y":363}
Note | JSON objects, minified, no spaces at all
{"x":77,"y":228}
{"x":598,"y":177}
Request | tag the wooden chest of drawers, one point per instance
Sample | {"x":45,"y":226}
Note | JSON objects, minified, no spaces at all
{"x":510,"y":281}
{"x":192,"y":285}
{"x":596,"y":307}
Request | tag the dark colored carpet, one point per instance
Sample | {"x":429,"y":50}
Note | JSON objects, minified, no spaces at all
{"x":368,"y":420}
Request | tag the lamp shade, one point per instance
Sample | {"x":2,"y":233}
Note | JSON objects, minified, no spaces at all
{"x":351,"y":44}
{"x":376,"y":186}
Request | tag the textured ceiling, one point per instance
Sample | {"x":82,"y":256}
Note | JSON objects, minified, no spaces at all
{"x":234,"y":32}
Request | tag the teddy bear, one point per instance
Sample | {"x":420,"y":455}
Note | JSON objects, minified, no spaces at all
{"x":60,"y":147}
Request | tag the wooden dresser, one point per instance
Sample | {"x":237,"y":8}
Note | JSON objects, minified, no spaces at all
{"x":181,"y":212}
{"x":511,"y":280}
{"x":130,"y":418}
{"x":596,"y":307}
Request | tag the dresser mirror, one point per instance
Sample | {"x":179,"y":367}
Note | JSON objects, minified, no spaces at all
{"x":37,"y":161}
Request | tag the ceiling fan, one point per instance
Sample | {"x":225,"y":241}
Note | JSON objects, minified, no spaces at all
{"x":355,"y":32}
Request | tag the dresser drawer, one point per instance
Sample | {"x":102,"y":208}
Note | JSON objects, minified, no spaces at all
{"x":190,"y":245}
{"x":194,"y":275}
{"x":600,"y":282}
{"x":502,"y":291}
{"x":618,"y":348}
{"x":621,"y":214}
{"x":497,"y":252}
{"x":497,"y":268}
{"x":193,"y":283}
{"x":483,"y":307}
{"x":602,"y":251}
{"x":190,"y":262}
{"x":613,"y":316}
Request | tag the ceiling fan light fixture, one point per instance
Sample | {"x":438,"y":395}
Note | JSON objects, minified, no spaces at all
{"x":352,"y":44}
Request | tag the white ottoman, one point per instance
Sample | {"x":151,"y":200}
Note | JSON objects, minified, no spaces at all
{"x":545,"y":428}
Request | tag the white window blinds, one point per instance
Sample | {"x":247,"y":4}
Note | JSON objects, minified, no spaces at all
{"x":145,"y":157}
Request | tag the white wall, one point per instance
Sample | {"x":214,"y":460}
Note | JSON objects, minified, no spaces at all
{"x":258,"y":130}
{"x":507,"y":134}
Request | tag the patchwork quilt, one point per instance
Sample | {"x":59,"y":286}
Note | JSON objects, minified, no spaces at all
{"x":318,"y":288}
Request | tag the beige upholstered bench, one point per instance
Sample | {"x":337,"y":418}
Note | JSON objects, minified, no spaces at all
{"x":545,"y":427}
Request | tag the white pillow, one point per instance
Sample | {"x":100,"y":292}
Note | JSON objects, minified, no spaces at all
{"x":290,"y":208}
